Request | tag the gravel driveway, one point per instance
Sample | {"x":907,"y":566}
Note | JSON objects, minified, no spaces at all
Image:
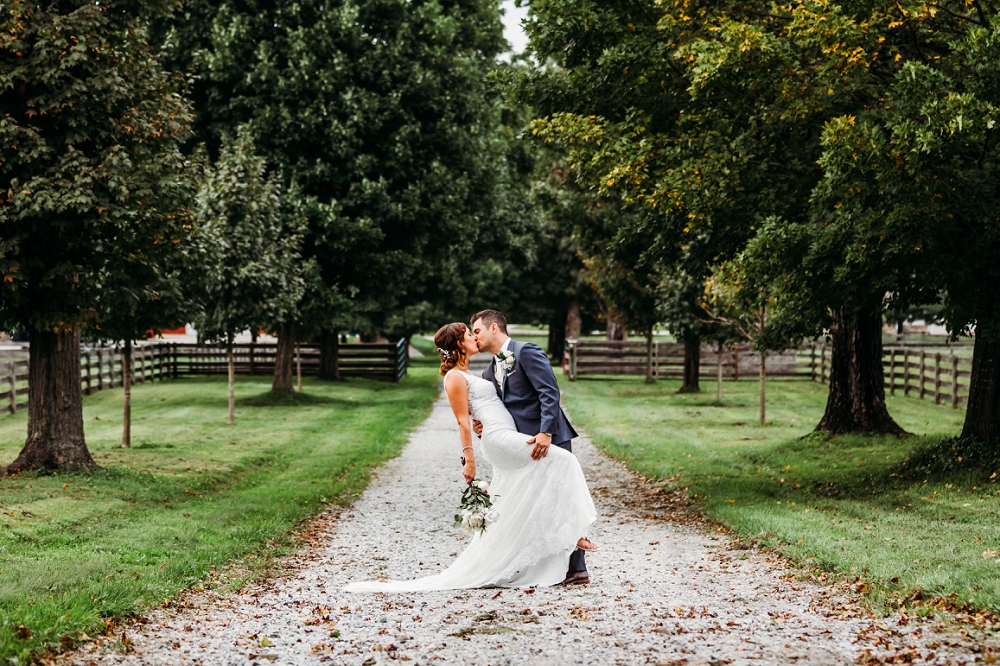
{"x":664,"y":591}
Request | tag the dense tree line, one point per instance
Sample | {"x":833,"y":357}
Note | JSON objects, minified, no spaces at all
{"x":734,"y":171}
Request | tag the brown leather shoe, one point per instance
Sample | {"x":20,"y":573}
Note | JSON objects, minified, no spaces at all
{"x":577,"y":578}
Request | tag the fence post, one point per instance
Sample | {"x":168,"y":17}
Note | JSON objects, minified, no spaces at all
{"x":656,"y":360}
{"x":87,"y":377}
{"x":892,"y":372}
{"x":298,"y":363}
{"x":937,"y":378}
{"x":906,"y":371}
{"x":173,"y":350}
{"x":954,"y":381}
{"x":923,"y":369}
{"x":812,"y":362}
{"x":12,"y":382}
{"x":100,"y":368}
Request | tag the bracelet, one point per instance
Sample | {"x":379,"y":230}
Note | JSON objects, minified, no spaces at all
{"x":467,"y":447}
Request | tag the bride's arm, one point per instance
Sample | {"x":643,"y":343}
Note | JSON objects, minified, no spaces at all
{"x":457,"y":389}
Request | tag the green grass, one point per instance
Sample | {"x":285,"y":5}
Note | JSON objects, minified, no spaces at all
{"x":855,"y":506}
{"x":192,"y":496}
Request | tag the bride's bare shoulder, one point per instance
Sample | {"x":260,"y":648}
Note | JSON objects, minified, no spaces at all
{"x":455,"y":379}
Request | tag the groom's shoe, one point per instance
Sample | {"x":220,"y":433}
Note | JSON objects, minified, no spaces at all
{"x":577,"y":578}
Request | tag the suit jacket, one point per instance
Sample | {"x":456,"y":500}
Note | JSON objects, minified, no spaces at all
{"x":531,"y":394}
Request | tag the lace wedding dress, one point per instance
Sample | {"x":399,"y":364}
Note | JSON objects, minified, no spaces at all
{"x":544,"y":507}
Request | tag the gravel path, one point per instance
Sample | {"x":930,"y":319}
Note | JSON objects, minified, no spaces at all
{"x":664,"y":591}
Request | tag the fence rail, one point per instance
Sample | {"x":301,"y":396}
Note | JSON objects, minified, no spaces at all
{"x":15,"y":380}
{"x":600,"y":357}
{"x":102,"y":367}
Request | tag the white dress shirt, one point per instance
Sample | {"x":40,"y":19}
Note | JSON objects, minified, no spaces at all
{"x":499,"y":371}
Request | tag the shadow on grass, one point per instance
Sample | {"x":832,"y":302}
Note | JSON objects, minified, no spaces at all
{"x":271,"y":399}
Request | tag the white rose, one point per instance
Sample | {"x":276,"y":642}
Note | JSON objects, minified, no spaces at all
{"x":475,"y":521}
{"x":491,"y":516}
{"x":482,"y":485}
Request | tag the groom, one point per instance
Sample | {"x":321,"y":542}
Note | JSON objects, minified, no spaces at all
{"x":528,"y":388}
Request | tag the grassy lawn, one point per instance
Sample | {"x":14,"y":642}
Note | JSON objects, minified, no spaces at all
{"x":189,"y":498}
{"x":852,"y":506}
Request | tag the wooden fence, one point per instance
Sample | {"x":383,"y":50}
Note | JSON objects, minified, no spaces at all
{"x":910,"y":368}
{"x":600,"y":357}
{"x":102,"y":368}
{"x":14,"y":378}
{"x":924,"y":373}
{"x":373,"y":361}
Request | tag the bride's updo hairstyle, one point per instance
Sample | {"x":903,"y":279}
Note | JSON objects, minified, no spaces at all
{"x":449,"y":343}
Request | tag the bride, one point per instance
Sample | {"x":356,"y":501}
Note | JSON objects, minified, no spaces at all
{"x":544,"y":506}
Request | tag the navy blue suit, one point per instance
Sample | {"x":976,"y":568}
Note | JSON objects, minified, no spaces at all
{"x":531,"y":395}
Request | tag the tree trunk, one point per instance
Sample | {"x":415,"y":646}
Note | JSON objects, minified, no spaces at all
{"x":982,"y":413}
{"x":329,"y":355}
{"x":284,"y":360}
{"x":763,"y":386}
{"x":55,"y":405}
{"x":649,"y":356}
{"x":127,"y":392}
{"x":718,"y":375}
{"x":557,"y":337}
{"x":574,"y":321}
{"x":692,"y":365}
{"x":616,"y":329}
{"x":232,"y":380}
{"x":252,"y":353}
{"x":856,"y":402}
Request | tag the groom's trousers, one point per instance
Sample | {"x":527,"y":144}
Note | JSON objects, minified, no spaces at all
{"x":578,"y":560}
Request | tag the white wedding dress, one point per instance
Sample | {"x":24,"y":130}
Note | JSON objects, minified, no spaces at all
{"x":544,"y":507}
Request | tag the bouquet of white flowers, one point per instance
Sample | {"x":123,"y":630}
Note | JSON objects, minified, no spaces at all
{"x":477,"y":509}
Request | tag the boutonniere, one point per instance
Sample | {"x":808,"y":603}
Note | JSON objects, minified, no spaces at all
{"x":507,"y":360}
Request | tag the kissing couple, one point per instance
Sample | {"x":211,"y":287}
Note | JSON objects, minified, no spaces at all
{"x":538,"y":489}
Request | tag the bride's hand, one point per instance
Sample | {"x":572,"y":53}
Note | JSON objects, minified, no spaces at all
{"x":469,"y":471}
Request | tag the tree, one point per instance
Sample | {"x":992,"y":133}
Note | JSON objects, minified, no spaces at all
{"x":734,"y":137}
{"x":557,"y":289}
{"x":378,"y":110}
{"x":89,"y":158}
{"x":914,"y":182}
{"x":740,"y":307}
{"x":247,"y":247}
{"x":144,"y":296}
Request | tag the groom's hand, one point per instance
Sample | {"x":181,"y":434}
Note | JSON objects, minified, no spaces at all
{"x":541,"y":442}
{"x":477,"y":427}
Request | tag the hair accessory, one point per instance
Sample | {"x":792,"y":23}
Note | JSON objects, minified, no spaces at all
{"x":444,"y":352}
